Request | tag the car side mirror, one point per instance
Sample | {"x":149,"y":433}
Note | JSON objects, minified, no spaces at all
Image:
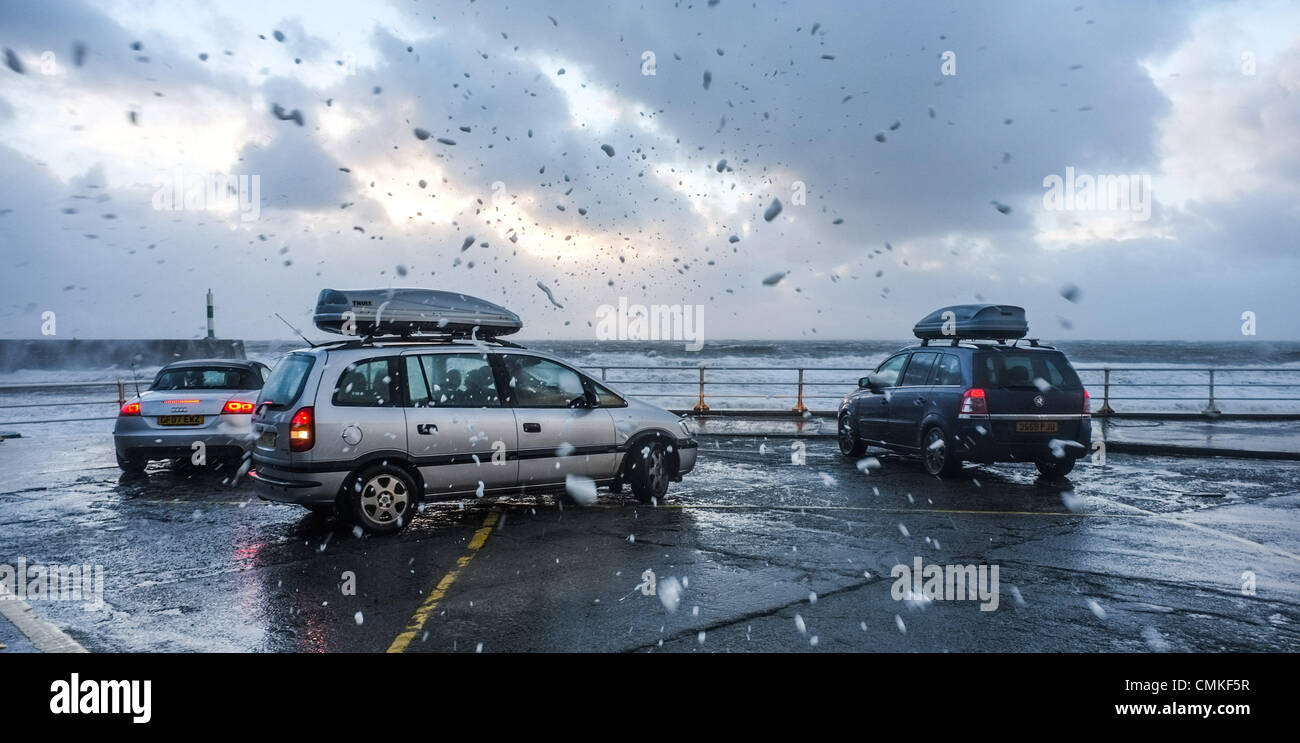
{"x":864,"y":383}
{"x":871,"y":382}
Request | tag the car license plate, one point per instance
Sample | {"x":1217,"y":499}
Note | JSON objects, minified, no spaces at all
{"x":1036,"y":426}
{"x":266,"y":440}
{"x":180,"y":420}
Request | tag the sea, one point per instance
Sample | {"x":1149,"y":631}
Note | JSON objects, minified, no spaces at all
{"x":1145,"y":376}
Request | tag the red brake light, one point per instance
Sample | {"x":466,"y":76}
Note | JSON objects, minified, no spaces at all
{"x":1087,"y":403}
{"x":302,"y":430}
{"x":973,"y":402}
{"x":238,"y":407}
{"x":131,"y":408}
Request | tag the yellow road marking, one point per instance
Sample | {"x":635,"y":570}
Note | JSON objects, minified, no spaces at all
{"x":435,"y":596}
{"x":875,"y":509}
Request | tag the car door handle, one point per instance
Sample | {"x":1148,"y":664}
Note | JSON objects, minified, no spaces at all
{"x":426,"y":428}
{"x":532,"y":428}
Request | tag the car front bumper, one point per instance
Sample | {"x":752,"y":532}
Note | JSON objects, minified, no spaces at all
{"x":686,"y":451}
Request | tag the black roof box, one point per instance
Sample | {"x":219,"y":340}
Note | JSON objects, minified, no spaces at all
{"x":371,"y":312}
{"x":973,"y":321}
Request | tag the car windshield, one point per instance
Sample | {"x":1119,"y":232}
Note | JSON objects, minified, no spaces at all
{"x":1028,"y":369}
{"x":207,"y":378}
{"x":285,"y":384}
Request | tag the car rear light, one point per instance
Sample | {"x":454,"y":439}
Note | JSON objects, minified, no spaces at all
{"x":238,"y":407}
{"x":131,"y":408}
{"x":1087,"y":403}
{"x":973,"y":402}
{"x":302,"y":430}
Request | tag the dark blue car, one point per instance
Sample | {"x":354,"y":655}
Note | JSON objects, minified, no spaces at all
{"x":966,"y":401}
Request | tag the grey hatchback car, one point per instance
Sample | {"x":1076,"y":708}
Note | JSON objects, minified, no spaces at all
{"x":368,"y":428}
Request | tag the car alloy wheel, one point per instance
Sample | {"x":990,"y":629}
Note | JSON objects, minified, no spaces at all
{"x":849,"y":444}
{"x":656,"y":464}
{"x":651,"y":474}
{"x":385,"y":501}
{"x":936,"y":452}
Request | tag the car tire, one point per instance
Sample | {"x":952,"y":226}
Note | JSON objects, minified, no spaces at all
{"x":131,"y":465}
{"x":381,"y":499}
{"x":650,"y":473}
{"x":850,"y":445}
{"x":937,"y":458}
{"x":1055,"y":469}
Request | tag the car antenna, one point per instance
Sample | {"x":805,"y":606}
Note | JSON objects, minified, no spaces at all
{"x":296,"y":331}
{"x":134,"y":379}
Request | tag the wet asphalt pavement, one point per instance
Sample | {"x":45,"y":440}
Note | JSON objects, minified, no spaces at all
{"x":1144,"y":553}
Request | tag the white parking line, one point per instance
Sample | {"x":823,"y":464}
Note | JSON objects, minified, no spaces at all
{"x":1180,"y":519}
{"x":46,"y":637}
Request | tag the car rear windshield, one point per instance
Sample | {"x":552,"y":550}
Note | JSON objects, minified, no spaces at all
{"x":207,"y":378}
{"x":1041,"y":369}
{"x":287,"y":379}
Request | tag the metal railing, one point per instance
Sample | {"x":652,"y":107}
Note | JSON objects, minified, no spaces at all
{"x":123,"y":390}
{"x":796,"y":386}
{"x":1116,"y":390}
{"x":1214,"y":380}
{"x":801,"y":387}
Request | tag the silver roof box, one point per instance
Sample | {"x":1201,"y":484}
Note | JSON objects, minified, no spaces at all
{"x":372,"y":312}
{"x":973,"y":321}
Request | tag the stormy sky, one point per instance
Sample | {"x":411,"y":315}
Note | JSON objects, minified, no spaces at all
{"x":487,"y":146}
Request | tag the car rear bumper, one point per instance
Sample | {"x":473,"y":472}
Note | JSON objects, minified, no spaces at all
{"x":153,"y":443}
{"x":975,"y":443}
{"x":284,"y":485}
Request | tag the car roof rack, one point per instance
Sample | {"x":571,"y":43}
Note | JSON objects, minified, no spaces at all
{"x":1033,"y":343}
{"x":957,"y":341}
{"x":430,"y":338}
{"x":991,"y":343}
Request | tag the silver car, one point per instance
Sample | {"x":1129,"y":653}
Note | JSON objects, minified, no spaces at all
{"x":367,"y":429}
{"x":196,"y":410}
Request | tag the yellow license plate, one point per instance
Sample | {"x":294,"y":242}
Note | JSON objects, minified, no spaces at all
{"x":180,"y":420}
{"x":1037,"y":426}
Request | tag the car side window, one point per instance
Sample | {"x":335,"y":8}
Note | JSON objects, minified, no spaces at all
{"x":918,"y":372}
{"x":452,"y":380}
{"x":540,"y":383}
{"x":888,"y":372}
{"x":606,"y":398}
{"x":948,"y":371}
{"x":370,"y":383}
